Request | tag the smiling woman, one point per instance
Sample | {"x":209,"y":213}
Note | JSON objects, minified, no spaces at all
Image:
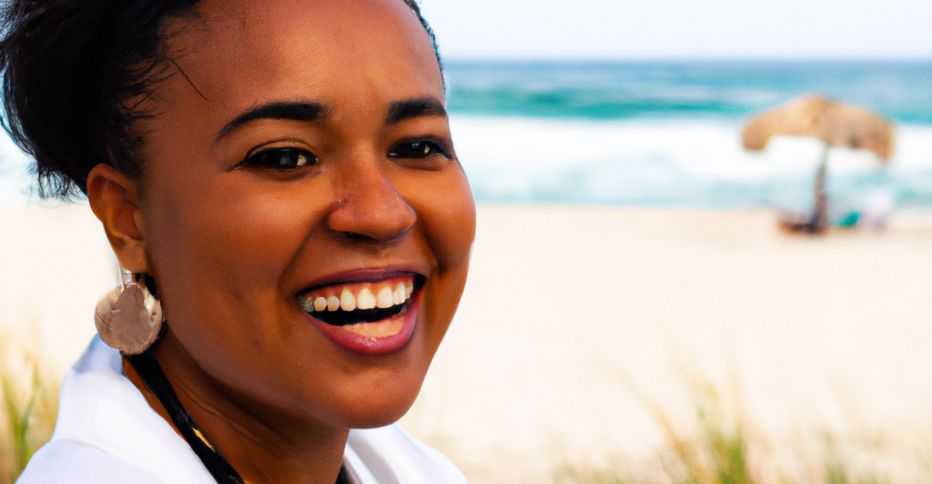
{"x":280,"y":180}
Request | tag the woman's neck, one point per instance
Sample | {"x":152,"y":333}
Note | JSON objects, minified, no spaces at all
{"x":263,"y":444}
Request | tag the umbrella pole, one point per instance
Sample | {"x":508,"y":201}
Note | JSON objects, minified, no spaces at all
{"x":819,"y":221}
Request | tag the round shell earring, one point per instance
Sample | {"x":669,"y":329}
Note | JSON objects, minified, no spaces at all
{"x":129,"y":318}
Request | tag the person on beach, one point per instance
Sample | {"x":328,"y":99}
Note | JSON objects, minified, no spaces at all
{"x":279,"y":185}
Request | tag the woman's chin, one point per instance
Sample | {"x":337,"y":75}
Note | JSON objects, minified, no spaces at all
{"x":371,"y":411}
{"x":373,"y":399}
{"x":377,"y":419}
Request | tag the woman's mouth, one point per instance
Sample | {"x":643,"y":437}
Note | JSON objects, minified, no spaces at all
{"x":366,"y":316}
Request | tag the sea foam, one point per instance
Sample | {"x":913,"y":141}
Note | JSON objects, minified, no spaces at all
{"x":690,"y":162}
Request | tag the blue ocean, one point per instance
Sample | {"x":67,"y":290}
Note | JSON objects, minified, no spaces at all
{"x":668,"y":132}
{"x":664,"y":133}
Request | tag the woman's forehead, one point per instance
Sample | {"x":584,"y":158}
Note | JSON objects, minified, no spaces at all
{"x":332,"y":50}
{"x":241,"y":14}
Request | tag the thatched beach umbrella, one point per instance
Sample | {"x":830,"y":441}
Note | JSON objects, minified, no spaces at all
{"x":832,"y":122}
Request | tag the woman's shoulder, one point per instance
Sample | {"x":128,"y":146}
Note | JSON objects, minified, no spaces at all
{"x":107,"y":433}
{"x":390,"y":454}
{"x":76,"y":462}
{"x":387,"y":454}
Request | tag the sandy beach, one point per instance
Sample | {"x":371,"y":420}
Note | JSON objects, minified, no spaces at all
{"x":578,"y":320}
{"x":580,"y":325}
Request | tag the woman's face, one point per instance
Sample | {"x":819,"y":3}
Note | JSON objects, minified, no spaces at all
{"x":303,"y":162}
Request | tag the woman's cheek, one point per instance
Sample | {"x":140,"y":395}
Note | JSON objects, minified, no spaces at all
{"x":220,"y":254}
{"x":258,"y":232}
{"x":449,"y":221}
{"x":450,"y":224}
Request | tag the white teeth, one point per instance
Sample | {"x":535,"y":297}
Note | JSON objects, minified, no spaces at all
{"x":364,"y":296}
{"x":385,"y":298}
{"x":365,"y":300}
{"x":347,"y":300}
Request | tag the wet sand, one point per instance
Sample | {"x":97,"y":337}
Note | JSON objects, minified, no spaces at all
{"x":578,"y":321}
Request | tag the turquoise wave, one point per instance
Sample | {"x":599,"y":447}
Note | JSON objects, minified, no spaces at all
{"x":901,"y":90}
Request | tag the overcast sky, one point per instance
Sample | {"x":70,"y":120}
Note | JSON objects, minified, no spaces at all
{"x":681,"y":28}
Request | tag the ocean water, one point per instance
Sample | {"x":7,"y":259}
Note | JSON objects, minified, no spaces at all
{"x":668,"y":133}
{"x":663,"y":133}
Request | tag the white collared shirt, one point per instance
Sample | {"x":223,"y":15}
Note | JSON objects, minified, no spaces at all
{"x":107,"y":433}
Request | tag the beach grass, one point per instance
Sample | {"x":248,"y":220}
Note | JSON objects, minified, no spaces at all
{"x":29,"y":397}
{"x":718,"y":447}
{"x":721,"y":448}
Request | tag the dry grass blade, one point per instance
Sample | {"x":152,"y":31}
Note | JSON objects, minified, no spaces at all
{"x":30,"y":406}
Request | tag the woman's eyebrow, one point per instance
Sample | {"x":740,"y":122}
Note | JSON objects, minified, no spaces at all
{"x":293,"y":110}
{"x":412,"y":108}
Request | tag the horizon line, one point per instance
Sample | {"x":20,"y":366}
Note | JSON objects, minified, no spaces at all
{"x":686,"y":58}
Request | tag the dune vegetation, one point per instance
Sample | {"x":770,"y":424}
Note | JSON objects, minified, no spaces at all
{"x":721,"y":447}
{"x":28,"y":407}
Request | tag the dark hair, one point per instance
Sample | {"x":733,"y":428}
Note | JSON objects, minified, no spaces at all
{"x":74,"y":72}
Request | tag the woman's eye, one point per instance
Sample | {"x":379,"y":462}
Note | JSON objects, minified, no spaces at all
{"x":280,"y":159}
{"x":417,"y":149}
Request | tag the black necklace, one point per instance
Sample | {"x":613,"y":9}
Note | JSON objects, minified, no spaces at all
{"x":154,"y":379}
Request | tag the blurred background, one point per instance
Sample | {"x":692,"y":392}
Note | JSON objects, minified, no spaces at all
{"x":653,"y":297}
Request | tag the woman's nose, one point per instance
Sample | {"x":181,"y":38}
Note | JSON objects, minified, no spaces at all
{"x":369,"y":206}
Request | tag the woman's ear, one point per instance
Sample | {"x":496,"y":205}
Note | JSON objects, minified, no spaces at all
{"x":114,"y":198}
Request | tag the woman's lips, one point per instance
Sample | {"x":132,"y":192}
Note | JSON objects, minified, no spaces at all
{"x":366,"y":316}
